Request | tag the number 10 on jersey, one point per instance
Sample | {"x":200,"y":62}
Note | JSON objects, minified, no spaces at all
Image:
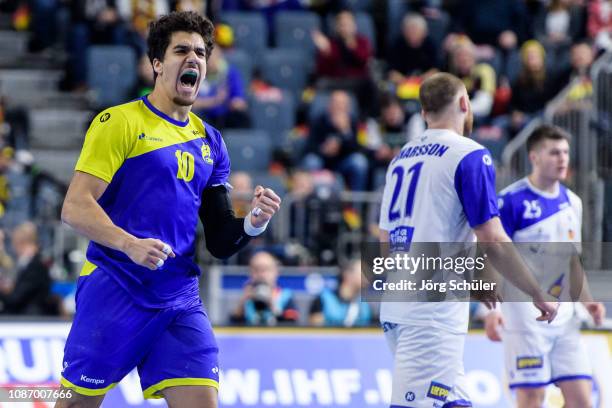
{"x":186,"y":165}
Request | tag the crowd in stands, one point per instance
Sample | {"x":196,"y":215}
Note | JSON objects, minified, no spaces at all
{"x":343,"y":80}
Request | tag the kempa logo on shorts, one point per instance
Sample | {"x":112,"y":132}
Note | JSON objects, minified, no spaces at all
{"x":527,"y":362}
{"x":95,"y":381}
{"x":438,"y":391}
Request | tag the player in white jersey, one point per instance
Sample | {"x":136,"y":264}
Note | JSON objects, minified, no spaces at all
{"x":538,"y":208}
{"x":441,"y":188}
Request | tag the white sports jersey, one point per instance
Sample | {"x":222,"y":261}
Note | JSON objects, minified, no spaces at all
{"x":530,"y":215}
{"x":437,"y":189}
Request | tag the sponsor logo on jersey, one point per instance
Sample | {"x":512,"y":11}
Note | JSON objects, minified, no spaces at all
{"x":557,"y":287}
{"x":438,"y":391}
{"x":410,"y":396}
{"x":105,"y":117}
{"x":142,"y":136}
{"x":206,"y":153}
{"x":401,"y":236}
{"x":529,"y":362}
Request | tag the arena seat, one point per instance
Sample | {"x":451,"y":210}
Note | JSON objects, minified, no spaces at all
{"x":111,"y":73}
{"x":293,"y":30}
{"x":276,"y":118}
{"x":250,"y":31}
{"x":249,"y":150}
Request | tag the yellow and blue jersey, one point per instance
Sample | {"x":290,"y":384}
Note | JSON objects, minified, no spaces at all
{"x":157,"y":168}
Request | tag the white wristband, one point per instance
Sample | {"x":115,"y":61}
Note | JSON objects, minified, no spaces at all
{"x":250,"y":229}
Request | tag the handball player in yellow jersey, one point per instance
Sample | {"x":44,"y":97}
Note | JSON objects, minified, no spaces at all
{"x":148,"y":169}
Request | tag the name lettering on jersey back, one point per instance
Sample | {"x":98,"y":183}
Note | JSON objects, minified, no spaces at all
{"x":431,"y":149}
{"x":532,"y":209}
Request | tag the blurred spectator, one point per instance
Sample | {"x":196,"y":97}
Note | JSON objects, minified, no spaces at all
{"x":347,"y":54}
{"x":268,"y":8}
{"x":145,"y":77}
{"x":199,"y":6}
{"x":7,"y":270}
{"x":343,"y":306}
{"x":138,"y":14}
{"x":30,"y":293}
{"x":221,"y":100}
{"x":315,"y":213}
{"x":120,"y":22}
{"x":44,"y":23}
{"x":14,"y":125}
{"x":498,"y":23}
{"x":241,"y":193}
{"x":344,"y":60}
{"x":582,"y":57}
{"x":479,"y":78}
{"x":413,"y":53}
{"x":559,"y":24}
{"x":387,"y":135}
{"x":263,"y":302}
{"x":93,"y":22}
{"x":599,"y":23}
{"x":533,"y":88}
{"x":332,"y":143}
{"x":6,"y":157}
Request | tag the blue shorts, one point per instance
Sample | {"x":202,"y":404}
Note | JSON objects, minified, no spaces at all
{"x":111,"y":335}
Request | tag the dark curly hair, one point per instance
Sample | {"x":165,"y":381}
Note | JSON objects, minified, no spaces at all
{"x":160,"y":32}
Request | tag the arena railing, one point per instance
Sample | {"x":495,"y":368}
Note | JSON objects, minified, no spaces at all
{"x":577,"y":117}
{"x":602,"y":112}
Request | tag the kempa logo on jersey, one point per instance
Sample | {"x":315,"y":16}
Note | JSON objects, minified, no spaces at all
{"x":524,"y":363}
{"x":438,"y":391}
{"x":95,"y":381}
{"x":142,"y":136}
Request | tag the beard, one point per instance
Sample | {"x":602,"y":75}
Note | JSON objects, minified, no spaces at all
{"x":177,"y":100}
{"x":468,"y":124}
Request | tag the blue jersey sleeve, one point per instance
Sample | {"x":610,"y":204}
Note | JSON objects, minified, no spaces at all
{"x":475,"y":186}
{"x":506,"y":214}
{"x":221,"y":169}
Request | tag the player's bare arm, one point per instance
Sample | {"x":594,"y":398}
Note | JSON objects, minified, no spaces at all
{"x":83,"y":213}
{"x":508,"y":262}
{"x":581,"y":291}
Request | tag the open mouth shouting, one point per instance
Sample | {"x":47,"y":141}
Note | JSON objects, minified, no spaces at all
{"x":188,"y":81}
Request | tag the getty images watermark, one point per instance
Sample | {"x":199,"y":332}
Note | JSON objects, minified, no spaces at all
{"x":407,"y":266}
{"x":440,"y":272}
